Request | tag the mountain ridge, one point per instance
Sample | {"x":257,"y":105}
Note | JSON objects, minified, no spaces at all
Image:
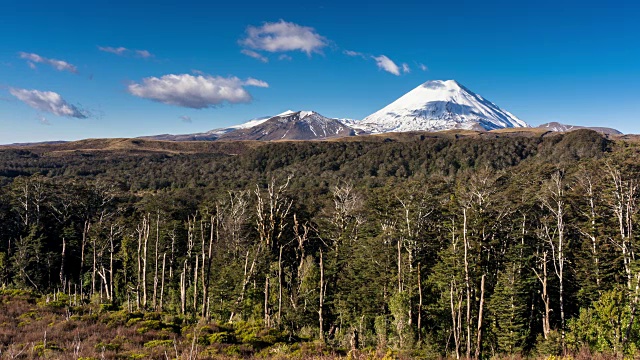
{"x":435,"y":105}
{"x":560,"y":127}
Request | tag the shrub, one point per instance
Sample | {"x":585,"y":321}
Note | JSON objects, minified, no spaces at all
{"x":157,"y":343}
{"x":146,"y":326}
{"x":222,"y":338}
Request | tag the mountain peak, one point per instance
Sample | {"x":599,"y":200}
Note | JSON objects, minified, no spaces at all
{"x":301,"y":113}
{"x":293,"y":125}
{"x":440,"y":105}
{"x":286,"y":113}
{"x":441,"y":84}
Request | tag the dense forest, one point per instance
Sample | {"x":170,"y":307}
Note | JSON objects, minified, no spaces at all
{"x":459,"y":246}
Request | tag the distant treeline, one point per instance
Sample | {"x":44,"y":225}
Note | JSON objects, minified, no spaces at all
{"x":456,"y":246}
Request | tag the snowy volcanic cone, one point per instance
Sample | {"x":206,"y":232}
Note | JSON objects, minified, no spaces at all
{"x":440,"y":105}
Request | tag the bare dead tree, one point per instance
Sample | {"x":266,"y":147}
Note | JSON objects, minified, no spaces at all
{"x":542,"y":275}
{"x":143,"y":231}
{"x":155,"y":256}
{"x":478,"y":353}
{"x":323,"y":290}
{"x":554,"y":201}
{"x":272,"y":209}
{"x":623,"y":204}
{"x":214,"y":233}
{"x":164,"y":260}
{"x":586,"y":185}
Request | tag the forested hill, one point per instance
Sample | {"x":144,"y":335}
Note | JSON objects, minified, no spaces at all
{"x":136,"y":164}
{"x":461,"y":244}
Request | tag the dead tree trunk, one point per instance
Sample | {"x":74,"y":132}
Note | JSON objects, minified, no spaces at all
{"x":195,"y":286}
{"x":139,"y":272}
{"x":280,"y":285}
{"x":164,"y":258}
{"x":271,"y":223}
{"x":467,"y":281}
{"x":183,"y":288}
{"x":419,"y":304}
{"x":480,"y":316}
{"x":111,"y":251}
{"x":321,"y":305}
{"x":267,"y":313}
{"x":623,"y":205}
{"x":63,"y":258}
{"x":554,"y":201}
{"x":85,"y":234}
{"x":215,"y":222}
{"x":399,"y":266}
{"x":155,"y":272}
{"x":543,"y":278}
{"x":93,"y":266}
{"x":144,"y":261}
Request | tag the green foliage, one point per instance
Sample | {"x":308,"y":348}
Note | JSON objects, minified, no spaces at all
{"x":604,"y":326}
{"x":552,"y":345}
{"x":381,"y":325}
{"x":508,"y":311}
{"x":158,"y":343}
{"x":399,"y":306}
{"x":222,"y":338}
{"x":241,"y":246}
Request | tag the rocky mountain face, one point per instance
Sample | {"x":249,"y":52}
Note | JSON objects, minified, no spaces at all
{"x":292,"y":125}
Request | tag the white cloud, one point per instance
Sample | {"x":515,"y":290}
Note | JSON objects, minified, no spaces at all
{"x":285,"y":57}
{"x":123,"y":51}
{"x":48,"y":101}
{"x":423,"y":67}
{"x":284,"y":36}
{"x":198,"y":92}
{"x":256,"y":83}
{"x":254,"y":55}
{"x":387,"y":65}
{"x":144,"y":54}
{"x":354,"y":54}
{"x":118,"y":51}
{"x":405,"y":68}
{"x":185,"y":118}
{"x":60,"y":65}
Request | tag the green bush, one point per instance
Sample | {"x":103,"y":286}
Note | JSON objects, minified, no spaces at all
{"x":233,"y":350}
{"x":147,"y":325}
{"x":222,"y":338}
{"x":552,"y":345}
{"x":61,"y":302}
{"x":157,"y":343}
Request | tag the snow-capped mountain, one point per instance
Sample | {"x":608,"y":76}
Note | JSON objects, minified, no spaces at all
{"x":292,"y":125}
{"x":209,"y":135}
{"x":559,"y":127}
{"x":439,"y":105}
{"x":433,"y":106}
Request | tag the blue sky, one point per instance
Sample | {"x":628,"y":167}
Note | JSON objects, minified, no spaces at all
{"x":78,"y":69}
